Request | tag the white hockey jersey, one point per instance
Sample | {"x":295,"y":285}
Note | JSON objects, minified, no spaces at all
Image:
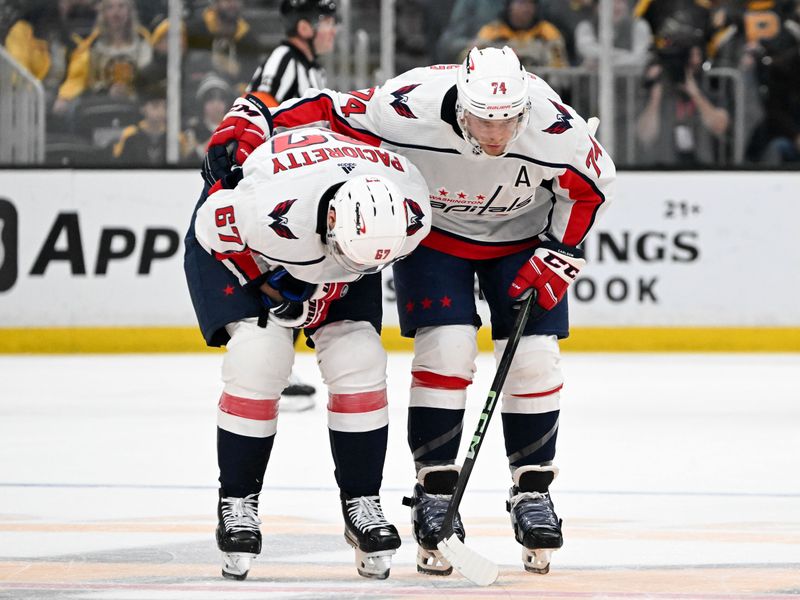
{"x":554,"y":180}
{"x":273,"y":216}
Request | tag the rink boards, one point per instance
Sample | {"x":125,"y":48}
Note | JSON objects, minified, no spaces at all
{"x":92,"y":261}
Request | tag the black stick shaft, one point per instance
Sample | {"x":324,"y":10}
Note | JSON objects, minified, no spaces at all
{"x":486,"y":416}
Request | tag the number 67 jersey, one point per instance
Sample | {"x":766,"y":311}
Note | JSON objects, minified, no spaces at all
{"x":276,"y":215}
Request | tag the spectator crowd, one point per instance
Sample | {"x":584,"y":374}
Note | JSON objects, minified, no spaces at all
{"x":693,"y":66}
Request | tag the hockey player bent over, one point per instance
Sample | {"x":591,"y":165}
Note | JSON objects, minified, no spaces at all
{"x":305,"y":226}
{"x":517,"y":180}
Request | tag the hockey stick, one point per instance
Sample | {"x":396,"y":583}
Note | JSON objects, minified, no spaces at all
{"x":469,"y":563}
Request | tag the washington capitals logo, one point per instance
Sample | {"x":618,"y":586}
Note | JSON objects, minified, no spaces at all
{"x":278,"y":224}
{"x":562,"y":124}
{"x":413,"y":216}
{"x":400,"y":98}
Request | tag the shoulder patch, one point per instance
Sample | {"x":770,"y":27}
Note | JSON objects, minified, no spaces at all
{"x":278,"y":224}
{"x":400,"y":98}
{"x":563,"y":120}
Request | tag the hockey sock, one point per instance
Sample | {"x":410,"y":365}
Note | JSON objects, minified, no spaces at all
{"x":242,"y":462}
{"x":530,"y":438}
{"x":434,"y":435}
{"x":359,"y":459}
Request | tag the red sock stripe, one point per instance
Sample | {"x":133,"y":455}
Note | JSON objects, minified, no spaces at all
{"x":357,"y":403}
{"x":257,"y":410}
{"x":438,"y":382}
{"x":539,"y":394}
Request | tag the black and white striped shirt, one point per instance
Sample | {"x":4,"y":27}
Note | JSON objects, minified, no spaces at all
{"x":287,"y":73}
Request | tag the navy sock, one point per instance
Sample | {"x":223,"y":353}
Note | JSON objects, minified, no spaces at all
{"x":530,"y":439}
{"x":242,"y":462}
{"x":359,"y":459}
{"x":434,"y":435}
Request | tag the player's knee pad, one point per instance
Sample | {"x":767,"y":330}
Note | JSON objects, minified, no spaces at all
{"x":534,"y":381}
{"x":443,"y":366}
{"x":256,"y":368}
{"x":352,"y":362}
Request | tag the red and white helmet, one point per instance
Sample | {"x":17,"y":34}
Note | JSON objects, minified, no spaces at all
{"x":371,"y":224}
{"x":492,"y":84}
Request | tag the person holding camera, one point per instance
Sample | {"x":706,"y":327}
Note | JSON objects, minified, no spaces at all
{"x":680,"y":120}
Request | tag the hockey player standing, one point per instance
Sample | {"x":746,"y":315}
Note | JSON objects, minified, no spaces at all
{"x":517,"y":180}
{"x":289,"y":71}
{"x":305,"y":231}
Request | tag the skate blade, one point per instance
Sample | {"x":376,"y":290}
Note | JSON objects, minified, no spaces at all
{"x":372,"y":565}
{"x":236,"y":565}
{"x":431,"y":562}
{"x":537,"y":560}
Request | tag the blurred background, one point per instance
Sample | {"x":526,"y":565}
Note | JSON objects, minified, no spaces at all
{"x":85,"y":82}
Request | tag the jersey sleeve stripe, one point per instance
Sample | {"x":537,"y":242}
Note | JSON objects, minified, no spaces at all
{"x":243,"y":261}
{"x":588,"y":199}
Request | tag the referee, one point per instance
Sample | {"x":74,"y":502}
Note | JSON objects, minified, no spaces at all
{"x":292,"y":67}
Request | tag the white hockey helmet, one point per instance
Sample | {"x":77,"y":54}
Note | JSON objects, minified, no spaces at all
{"x":492,"y":84}
{"x":370,"y":224}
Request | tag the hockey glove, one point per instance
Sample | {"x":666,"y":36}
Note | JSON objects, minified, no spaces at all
{"x":290,"y":288}
{"x":309,"y":313}
{"x":243,"y":129}
{"x":549,"y":271}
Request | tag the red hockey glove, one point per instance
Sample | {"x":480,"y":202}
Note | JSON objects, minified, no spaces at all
{"x":310,"y":313}
{"x":549,"y":271}
{"x":245,"y":127}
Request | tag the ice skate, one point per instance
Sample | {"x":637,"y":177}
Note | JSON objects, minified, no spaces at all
{"x":238,"y":535}
{"x":370,"y":534}
{"x":298,"y":396}
{"x":429,"y":504}
{"x":536,"y":525}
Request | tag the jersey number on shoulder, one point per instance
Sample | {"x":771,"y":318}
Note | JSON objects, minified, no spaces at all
{"x":224,"y":217}
{"x":356,"y":103}
{"x":594,"y":153}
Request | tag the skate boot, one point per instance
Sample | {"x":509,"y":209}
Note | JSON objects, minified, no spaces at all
{"x":238,"y":535}
{"x":429,"y":504}
{"x":370,"y":534}
{"x":536,"y":525}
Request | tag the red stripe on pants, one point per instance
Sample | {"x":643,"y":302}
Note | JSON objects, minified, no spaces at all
{"x":538,"y":394}
{"x":357,"y":403}
{"x":257,"y":410}
{"x":438,"y":382}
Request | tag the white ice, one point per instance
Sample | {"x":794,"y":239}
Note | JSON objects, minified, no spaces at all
{"x":672,"y":467}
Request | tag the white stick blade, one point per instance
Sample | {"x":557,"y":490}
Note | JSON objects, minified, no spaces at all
{"x":469,"y":563}
{"x":593,"y":123}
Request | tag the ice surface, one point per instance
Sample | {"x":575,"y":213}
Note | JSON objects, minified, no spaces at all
{"x":680,"y":478}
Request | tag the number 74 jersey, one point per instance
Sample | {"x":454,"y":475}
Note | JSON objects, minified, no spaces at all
{"x":276,"y":215}
{"x":554,"y":180}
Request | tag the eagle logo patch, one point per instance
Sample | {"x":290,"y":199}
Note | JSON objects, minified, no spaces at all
{"x":279,"y":222}
{"x":563,"y":122}
{"x":400,"y":98}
